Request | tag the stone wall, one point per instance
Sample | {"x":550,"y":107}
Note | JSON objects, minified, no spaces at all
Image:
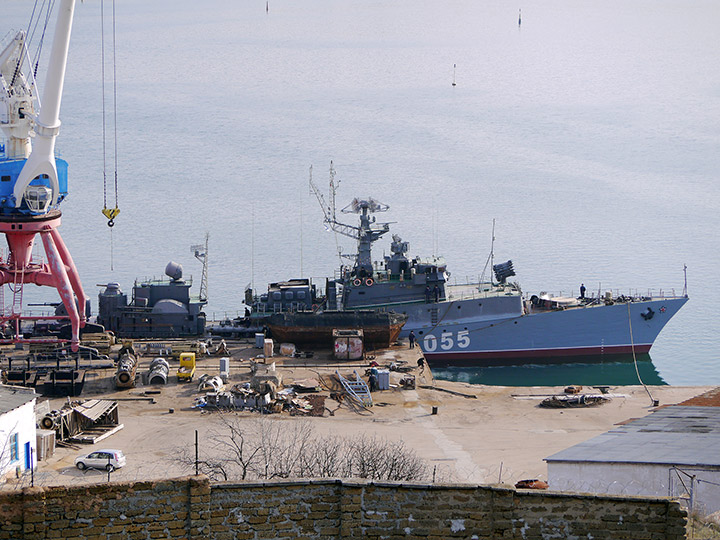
{"x":193,"y":508}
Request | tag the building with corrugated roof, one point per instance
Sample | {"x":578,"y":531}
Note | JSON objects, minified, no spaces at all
{"x":674,"y":451}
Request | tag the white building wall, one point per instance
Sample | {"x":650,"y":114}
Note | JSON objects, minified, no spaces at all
{"x":21,"y":421}
{"x":639,"y":479}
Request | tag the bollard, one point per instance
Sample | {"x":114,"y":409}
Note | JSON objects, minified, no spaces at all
{"x":434,"y":410}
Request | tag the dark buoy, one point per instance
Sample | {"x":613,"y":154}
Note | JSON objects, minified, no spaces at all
{"x":267,"y":7}
{"x":454,"y":66}
{"x":519,"y":17}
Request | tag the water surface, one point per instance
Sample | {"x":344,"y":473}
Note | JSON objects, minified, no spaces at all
{"x":591,"y":134}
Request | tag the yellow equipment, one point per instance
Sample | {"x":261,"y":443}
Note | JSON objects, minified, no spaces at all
{"x":186,"y":371}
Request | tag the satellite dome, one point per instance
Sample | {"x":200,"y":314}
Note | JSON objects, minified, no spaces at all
{"x":169,"y":306}
{"x":173,"y":270}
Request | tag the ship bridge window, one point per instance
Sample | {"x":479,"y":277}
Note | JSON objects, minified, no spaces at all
{"x":288,"y":295}
{"x":277,"y":296}
{"x":301,"y":295}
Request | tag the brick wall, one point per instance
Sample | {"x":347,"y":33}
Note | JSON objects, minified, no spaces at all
{"x":193,"y":508}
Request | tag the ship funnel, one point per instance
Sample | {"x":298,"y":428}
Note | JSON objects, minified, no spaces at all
{"x":174,"y":271}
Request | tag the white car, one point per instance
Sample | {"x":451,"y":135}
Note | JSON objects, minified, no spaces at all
{"x":101,"y":459}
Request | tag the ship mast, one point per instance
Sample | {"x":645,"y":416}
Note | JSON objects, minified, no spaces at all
{"x":201,"y":254}
{"x":368,"y":231}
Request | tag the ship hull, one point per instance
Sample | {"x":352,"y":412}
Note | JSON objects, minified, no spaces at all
{"x":380,"y":328}
{"x":542,"y":337}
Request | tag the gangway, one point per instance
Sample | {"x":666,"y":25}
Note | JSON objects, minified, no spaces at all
{"x":357,"y":389}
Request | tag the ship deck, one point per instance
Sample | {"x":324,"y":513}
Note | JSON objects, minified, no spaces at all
{"x":472,"y":291}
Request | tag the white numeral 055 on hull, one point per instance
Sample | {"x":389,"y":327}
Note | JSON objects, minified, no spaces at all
{"x":448,"y":340}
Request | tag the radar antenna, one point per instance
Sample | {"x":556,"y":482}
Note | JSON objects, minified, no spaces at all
{"x":201,"y":254}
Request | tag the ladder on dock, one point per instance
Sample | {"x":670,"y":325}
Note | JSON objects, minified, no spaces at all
{"x":357,"y":389}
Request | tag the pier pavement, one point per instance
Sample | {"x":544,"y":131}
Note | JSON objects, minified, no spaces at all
{"x":465,"y":433}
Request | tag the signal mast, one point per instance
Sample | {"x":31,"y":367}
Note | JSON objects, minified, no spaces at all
{"x":32,"y":181}
{"x":368,"y":231}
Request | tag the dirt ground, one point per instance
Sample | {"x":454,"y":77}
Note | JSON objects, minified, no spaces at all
{"x":479,"y":434}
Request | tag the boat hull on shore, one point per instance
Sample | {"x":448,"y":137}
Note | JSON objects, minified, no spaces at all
{"x":380,"y":328}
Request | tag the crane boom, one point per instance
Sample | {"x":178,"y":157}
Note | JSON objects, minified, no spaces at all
{"x":47,"y":123}
{"x":34,"y":181}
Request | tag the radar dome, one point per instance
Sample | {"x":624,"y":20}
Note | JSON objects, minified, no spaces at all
{"x":173,"y":270}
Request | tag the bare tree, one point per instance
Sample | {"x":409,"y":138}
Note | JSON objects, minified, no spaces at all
{"x":327,"y":458}
{"x":282,"y":447}
{"x":262,"y":448}
{"x":379,"y":459}
{"x":228,"y":453}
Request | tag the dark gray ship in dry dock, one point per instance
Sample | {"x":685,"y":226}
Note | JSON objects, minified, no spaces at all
{"x":293,"y":313}
{"x":158,"y":308}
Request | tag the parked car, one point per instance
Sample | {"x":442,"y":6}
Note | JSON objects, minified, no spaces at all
{"x":101,"y":459}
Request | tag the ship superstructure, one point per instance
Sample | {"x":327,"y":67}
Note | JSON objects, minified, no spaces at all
{"x":158,"y":308}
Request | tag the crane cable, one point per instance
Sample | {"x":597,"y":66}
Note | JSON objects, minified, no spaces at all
{"x":109,"y":213}
{"x":50,"y":7}
{"x":29,"y":37}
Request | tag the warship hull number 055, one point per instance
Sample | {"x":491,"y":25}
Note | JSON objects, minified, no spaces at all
{"x":485,"y":323}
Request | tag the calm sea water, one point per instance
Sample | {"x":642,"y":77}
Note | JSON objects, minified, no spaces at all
{"x":590,"y":133}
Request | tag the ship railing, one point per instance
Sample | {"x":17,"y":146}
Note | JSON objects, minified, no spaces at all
{"x":386,"y":276}
{"x":459,"y":292}
{"x":161,"y":281}
{"x":615,"y":294}
{"x":225,"y":317}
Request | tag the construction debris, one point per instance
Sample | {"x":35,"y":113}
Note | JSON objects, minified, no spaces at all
{"x":83,"y":421}
{"x":574,"y":400}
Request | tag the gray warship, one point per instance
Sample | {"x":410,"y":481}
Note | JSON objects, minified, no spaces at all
{"x":488,"y":322}
{"x":158,"y":308}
